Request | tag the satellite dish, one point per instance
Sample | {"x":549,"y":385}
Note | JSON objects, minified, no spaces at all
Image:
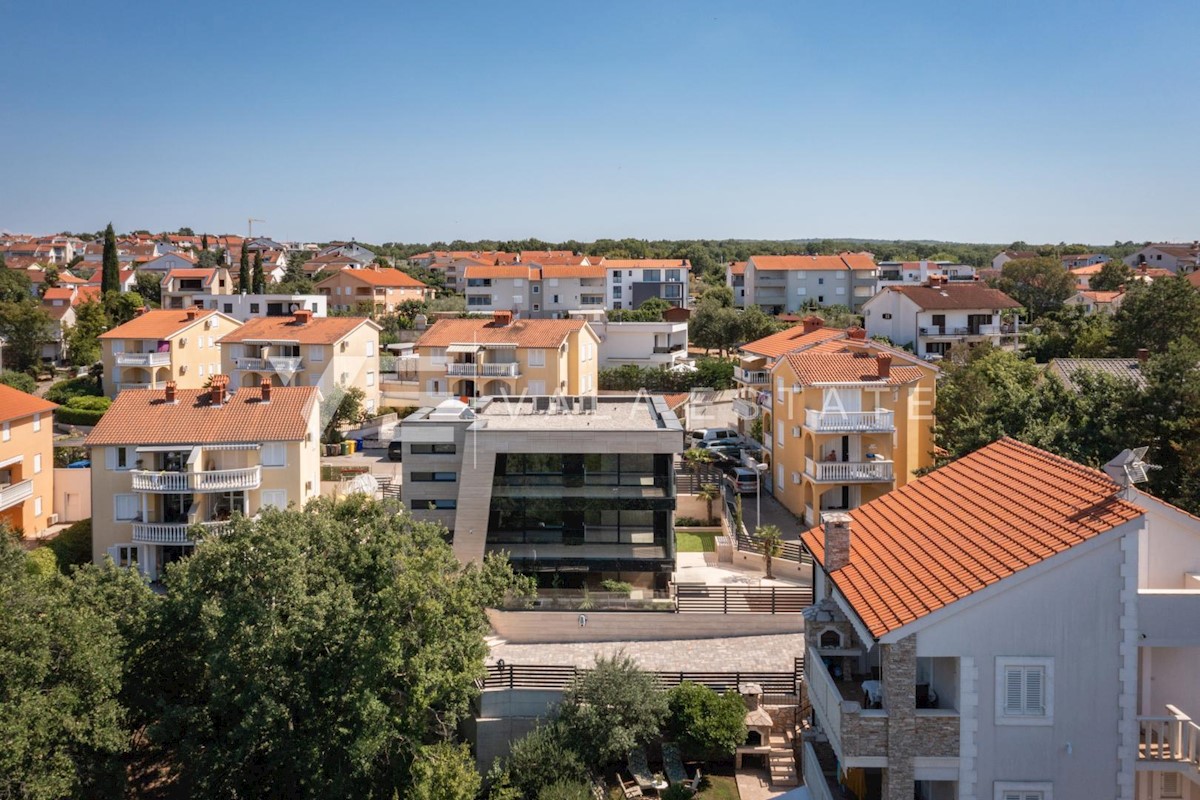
{"x":1130,"y":467}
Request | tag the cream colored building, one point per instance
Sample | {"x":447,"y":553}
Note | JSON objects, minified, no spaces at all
{"x":500,"y":355}
{"x":189,"y":288}
{"x":165,"y":345}
{"x":303,"y":350}
{"x":26,"y":461}
{"x":374,"y":290}
{"x":172,"y":465}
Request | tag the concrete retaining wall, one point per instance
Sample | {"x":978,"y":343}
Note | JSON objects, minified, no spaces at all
{"x":529,"y":627}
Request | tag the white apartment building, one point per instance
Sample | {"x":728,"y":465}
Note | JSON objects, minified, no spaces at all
{"x":939,"y":315}
{"x":914,"y":273}
{"x":632,"y":281}
{"x":647,"y":344}
{"x":786,"y":284}
{"x":244,"y":307}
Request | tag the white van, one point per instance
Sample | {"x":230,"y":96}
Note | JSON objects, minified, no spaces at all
{"x":707,"y":437}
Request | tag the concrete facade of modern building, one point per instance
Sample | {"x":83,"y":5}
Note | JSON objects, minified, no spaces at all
{"x":164,"y":345}
{"x":245,"y":307}
{"x":170,"y":463}
{"x":632,"y":281}
{"x":26,"y":461}
{"x":575,"y":489}
{"x":1035,"y":637}
{"x":645,"y":344}
{"x":940,"y":315}
{"x":787,"y":284}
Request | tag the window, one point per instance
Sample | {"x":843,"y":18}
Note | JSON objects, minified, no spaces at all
{"x":117,"y":458}
{"x":434,"y":505}
{"x":887,"y":316}
{"x":1024,"y":690}
{"x":1170,"y":786}
{"x":125,"y":506}
{"x":537,"y":289}
{"x":370,"y":378}
{"x":617,"y":291}
{"x":37,"y":506}
{"x":254,"y":308}
{"x":820,"y":298}
{"x":274,"y":498}
{"x":651,"y":275}
{"x":673,"y":275}
{"x":673,"y":290}
{"x":228,"y":308}
{"x":37,"y":422}
{"x":555,"y":299}
{"x":274,"y":454}
{"x":840,"y":290}
{"x":479,"y":299}
{"x":617,"y":276}
{"x":801,"y":290}
{"x":1011,"y":790}
{"x":432,"y":449}
{"x":370,"y":348}
{"x":37,"y":463}
{"x":820,"y":281}
{"x":434,"y":477}
{"x":5,"y":433}
{"x":537,"y":358}
{"x":537,"y":387}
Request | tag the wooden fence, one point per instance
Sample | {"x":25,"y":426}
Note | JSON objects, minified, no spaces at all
{"x":702,"y":598}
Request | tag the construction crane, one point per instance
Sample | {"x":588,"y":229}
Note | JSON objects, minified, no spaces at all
{"x":250,"y":226}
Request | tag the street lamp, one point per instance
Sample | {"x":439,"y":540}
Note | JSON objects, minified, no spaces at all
{"x":759,"y":469}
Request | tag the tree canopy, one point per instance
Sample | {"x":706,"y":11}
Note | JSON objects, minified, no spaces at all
{"x":1040,"y":285}
{"x":1152,"y":315}
{"x":110,"y":275}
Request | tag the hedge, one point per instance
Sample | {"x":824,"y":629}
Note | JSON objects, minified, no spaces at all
{"x":19,"y":381}
{"x":65,"y":415}
{"x":73,"y":546}
{"x":64,"y":390}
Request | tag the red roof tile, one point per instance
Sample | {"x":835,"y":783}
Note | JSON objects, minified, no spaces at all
{"x":379,"y":277}
{"x":949,"y":296}
{"x":317,"y":330}
{"x":539,"y":333}
{"x":158,"y":324}
{"x":777,"y":344}
{"x":15,"y":404}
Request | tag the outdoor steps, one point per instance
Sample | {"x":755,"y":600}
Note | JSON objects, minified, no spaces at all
{"x":781,"y":765}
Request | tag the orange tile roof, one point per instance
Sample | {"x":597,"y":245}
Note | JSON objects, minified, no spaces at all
{"x":789,"y":339}
{"x":15,"y":404}
{"x":982,"y":518}
{"x":839,"y":262}
{"x":379,"y":277}
{"x":159,"y":324}
{"x":1101,"y":297}
{"x":144,"y":417}
{"x":538,"y":333}
{"x":647,"y":263}
{"x":1194,"y":279}
{"x":317,"y":330}
{"x":737,"y":268}
{"x":58,"y":293}
{"x":1091,"y":269}
{"x":949,"y":296}
{"x":837,"y":362}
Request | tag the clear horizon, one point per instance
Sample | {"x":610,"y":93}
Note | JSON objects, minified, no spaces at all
{"x":1040,"y":122}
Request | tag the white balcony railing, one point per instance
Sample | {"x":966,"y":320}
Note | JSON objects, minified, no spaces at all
{"x":123,"y":386}
{"x":880,"y":420}
{"x":751,"y":377}
{"x":15,"y":493}
{"x":814,"y":779}
{"x":826,"y":700}
{"x":1172,"y":740}
{"x":270,"y":364}
{"x":849,"y":471}
{"x":217,"y":480}
{"x":744,"y":409}
{"x":509,"y":370}
{"x":143,"y":359}
{"x":172,"y":532}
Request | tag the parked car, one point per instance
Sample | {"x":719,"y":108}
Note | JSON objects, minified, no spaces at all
{"x":742,"y":480}
{"x":707,"y":437}
{"x":395,"y":451}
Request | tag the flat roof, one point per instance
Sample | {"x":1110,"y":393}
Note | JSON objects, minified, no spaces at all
{"x":612,"y":413}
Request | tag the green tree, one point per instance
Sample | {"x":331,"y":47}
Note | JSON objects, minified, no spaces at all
{"x":706,"y":725}
{"x":611,"y":709}
{"x":566,"y":789}
{"x":696,"y":458}
{"x":538,"y":759}
{"x":260,"y":278}
{"x":1040,"y":285}
{"x":1171,"y":414}
{"x":319,"y":653}
{"x":1112,"y":276}
{"x":1152,"y":315}
{"x":339,"y":408}
{"x":19,"y":381}
{"x":24,"y":326}
{"x":987,"y":395}
{"x":245,"y":282}
{"x":83,"y":339}
{"x":1069,"y":331}
{"x":770,"y":543}
{"x":709,"y":493}
{"x":444,"y":771}
{"x":50,"y":280}
{"x":120,"y":307}
{"x":15,"y":286}
{"x":720,"y":296}
{"x":149,"y":287}
{"x":110,"y":266}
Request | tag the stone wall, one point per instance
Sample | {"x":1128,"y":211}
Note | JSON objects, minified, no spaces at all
{"x":866,"y":735}
{"x":899,"y":673}
{"x":938,"y":734}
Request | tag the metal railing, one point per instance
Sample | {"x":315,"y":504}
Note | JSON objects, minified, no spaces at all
{"x":878,"y":470}
{"x":518,"y":676}
{"x":172,"y":532}
{"x":751,"y":377}
{"x":218,"y":480}
{"x":270,"y":364}
{"x":143,"y":359}
{"x":880,"y":420}
{"x":696,"y":598}
{"x":509,"y":370}
{"x":16,"y":493}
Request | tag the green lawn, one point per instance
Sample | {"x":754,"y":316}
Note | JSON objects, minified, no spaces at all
{"x":688,"y":542}
{"x":713,"y":787}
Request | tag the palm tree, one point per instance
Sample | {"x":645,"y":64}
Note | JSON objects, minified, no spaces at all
{"x":708,"y":493}
{"x":695,"y":458}
{"x":770,"y":542}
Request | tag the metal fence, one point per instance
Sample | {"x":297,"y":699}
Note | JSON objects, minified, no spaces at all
{"x":551,"y":677}
{"x":697,"y":598}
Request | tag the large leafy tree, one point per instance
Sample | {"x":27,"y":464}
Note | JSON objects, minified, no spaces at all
{"x":149,"y":287}
{"x":611,"y":709}
{"x":83,"y":340}
{"x":1172,"y":417}
{"x":1040,"y":285}
{"x":1152,"y":315}
{"x":1112,"y":276}
{"x":122,"y":306}
{"x":15,"y":286}
{"x":705,"y":724}
{"x":320,"y":653}
{"x":24,"y":327}
{"x":110,"y":274}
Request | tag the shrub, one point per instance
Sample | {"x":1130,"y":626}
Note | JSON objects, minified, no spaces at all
{"x":73,"y":547}
{"x":705,"y":724}
{"x":19,"y":381}
{"x":565,"y":790}
{"x":676,"y":791}
{"x":616,"y":586}
{"x":611,"y":709}
{"x":89,"y":403}
{"x":685,"y":521}
{"x":540,"y":757}
{"x":41,"y":562}
{"x":82,"y":410}
{"x":62,"y":391}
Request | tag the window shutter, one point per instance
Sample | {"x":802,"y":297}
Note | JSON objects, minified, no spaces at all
{"x":1012,"y":694}
{"x":110,"y":458}
{"x":1033,"y":691}
{"x":1171,"y":785}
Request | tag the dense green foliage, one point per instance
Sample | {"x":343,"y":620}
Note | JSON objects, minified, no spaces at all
{"x":538,"y":759}
{"x":110,"y":267}
{"x":19,"y":381}
{"x":443,"y":771}
{"x":1041,"y":285}
{"x":1111,"y":277}
{"x":62,"y":391}
{"x":24,"y":326}
{"x":714,"y":326}
{"x":649,"y":311}
{"x":73,"y":546}
{"x":120,"y":307}
{"x":710,"y":373}
{"x":703,"y":723}
{"x":82,"y":410}
{"x":83,"y":340}
{"x":1153,"y":315}
{"x":566,"y":789}
{"x":259,"y":279}
{"x":611,"y":709}
{"x":15,"y":286}
{"x":149,"y":287}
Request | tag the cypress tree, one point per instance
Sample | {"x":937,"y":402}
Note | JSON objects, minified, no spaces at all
{"x":260,"y":279}
{"x":244,"y":271}
{"x":204,"y":242}
{"x":110,"y":275}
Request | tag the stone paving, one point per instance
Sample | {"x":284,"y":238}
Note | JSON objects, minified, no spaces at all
{"x":704,"y":568}
{"x":753,"y":784}
{"x":773,"y":653}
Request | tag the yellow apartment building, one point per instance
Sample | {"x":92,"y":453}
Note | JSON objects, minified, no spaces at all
{"x":26,"y":461}
{"x":845,"y":421}
{"x":180,"y":345}
{"x":378,"y":291}
{"x":304,"y":350}
{"x":502,"y":355}
{"x":171,"y":465}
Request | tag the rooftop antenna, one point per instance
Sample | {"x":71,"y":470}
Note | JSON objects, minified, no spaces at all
{"x":1129,"y":468}
{"x":250,"y":226}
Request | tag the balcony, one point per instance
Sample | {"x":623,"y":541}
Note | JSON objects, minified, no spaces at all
{"x":15,"y":493}
{"x":143,"y":359}
{"x":510,"y":370}
{"x":217,"y":480}
{"x":270,"y":364}
{"x":744,"y":409}
{"x":878,"y":421}
{"x":876,"y":471}
{"x":173,"y":532}
{"x":751,"y":377}
{"x":671,"y":348}
{"x":1169,"y":617}
{"x":123,"y":386}
{"x":1169,"y":743}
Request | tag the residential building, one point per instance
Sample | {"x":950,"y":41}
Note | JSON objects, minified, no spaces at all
{"x":1179,"y":259}
{"x":1096,"y":302}
{"x":735,"y":279}
{"x":1012,"y":625}
{"x":164,"y":262}
{"x":302,"y":350}
{"x":243,"y":307}
{"x":334,"y":262}
{"x":26,"y":461}
{"x":191,"y":288}
{"x":914,"y":273}
{"x":1084,"y":274}
{"x":453,"y":264}
{"x":574,"y":489}
{"x":59,"y":302}
{"x":506,"y":356}
{"x":164,"y":345}
{"x":377,"y":291}
{"x":352,"y":250}
{"x":646,"y":344}
{"x":786,"y":284}
{"x":846,"y":420}
{"x":533,"y":291}
{"x":939,"y":315}
{"x":1004,"y":256}
{"x":633,"y":281}
{"x":1085,"y":260}
{"x":1125,"y":369}
{"x":170,"y":465}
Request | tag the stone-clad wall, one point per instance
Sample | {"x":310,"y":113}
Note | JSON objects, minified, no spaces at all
{"x":900,"y":696}
{"x":938,"y":735}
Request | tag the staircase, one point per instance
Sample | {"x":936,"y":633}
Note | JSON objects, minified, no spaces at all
{"x":781,"y":763}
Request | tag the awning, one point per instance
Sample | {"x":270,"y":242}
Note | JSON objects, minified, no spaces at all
{"x":270,"y":341}
{"x":501,"y":345}
{"x":464,"y":348}
{"x":164,"y":448}
{"x":234,"y":446}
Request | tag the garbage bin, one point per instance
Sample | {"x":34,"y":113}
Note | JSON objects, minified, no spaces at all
{"x":345,"y":448}
{"x":358,"y":445}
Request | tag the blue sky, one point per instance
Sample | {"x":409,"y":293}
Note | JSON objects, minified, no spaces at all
{"x":971,"y":121}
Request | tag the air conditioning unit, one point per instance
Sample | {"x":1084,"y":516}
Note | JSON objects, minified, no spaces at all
{"x":52,"y":519}
{"x":344,"y":346}
{"x":183,"y":369}
{"x":796,"y":431}
{"x":796,"y":477}
{"x":183,"y":341}
{"x":208,"y":323}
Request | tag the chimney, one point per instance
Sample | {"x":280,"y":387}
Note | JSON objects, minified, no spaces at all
{"x":855,"y":332}
{"x":811,"y":323}
{"x":1143,"y":355}
{"x":216,"y":389}
{"x":302,"y":316}
{"x":884,"y":362}
{"x":265,"y":386}
{"x":502,"y":318}
{"x":169,"y":394}
{"x":837,"y":540}
{"x":143,"y":310}
{"x":191,"y":314}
